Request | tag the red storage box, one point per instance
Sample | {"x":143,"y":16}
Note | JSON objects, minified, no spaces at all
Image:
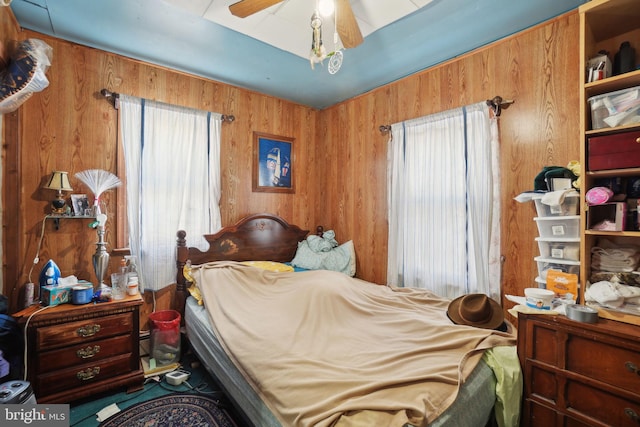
{"x":616,"y":151}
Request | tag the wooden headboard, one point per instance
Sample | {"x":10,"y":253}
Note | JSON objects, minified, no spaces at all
{"x":258,"y":237}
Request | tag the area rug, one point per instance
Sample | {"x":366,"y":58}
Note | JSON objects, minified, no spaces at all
{"x":179,"y":410}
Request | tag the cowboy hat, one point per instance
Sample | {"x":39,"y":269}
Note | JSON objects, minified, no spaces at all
{"x":476,"y":310}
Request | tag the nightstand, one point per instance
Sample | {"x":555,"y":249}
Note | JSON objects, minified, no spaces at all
{"x":74,"y":351}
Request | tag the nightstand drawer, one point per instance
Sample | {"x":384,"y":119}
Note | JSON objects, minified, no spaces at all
{"x":83,"y":353}
{"x":83,"y":375}
{"x":543,"y":383}
{"x":598,"y":404}
{"x":50,"y":337}
{"x":601,"y":361}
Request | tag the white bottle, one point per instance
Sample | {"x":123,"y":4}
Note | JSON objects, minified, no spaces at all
{"x":133,"y":283}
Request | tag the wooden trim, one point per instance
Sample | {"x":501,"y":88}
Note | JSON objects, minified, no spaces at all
{"x":122,"y":229}
{"x":12,"y":244}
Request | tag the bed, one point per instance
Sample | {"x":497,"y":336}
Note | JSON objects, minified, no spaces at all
{"x":279,"y":347}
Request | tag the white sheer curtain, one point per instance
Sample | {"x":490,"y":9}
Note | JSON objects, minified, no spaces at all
{"x":443,"y":201}
{"x":172,"y":157}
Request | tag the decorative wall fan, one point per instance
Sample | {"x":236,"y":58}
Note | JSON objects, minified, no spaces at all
{"x":346,"y":25}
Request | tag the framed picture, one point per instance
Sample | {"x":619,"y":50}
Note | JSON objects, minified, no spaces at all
{"x":272,"y":163}
{"x":80,"y":204}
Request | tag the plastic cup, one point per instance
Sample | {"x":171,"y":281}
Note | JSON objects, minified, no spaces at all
{"x":118,"y":286}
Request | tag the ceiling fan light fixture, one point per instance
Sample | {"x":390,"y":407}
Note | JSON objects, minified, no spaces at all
{"x":326,"y":7}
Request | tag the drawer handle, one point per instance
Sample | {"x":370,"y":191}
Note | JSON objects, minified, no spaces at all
{"x":88,"y":331}
{"x":638,"y":140}
{"x":85,"y":353}
{"x":88,"y":373}
{"x":631,"y":414}
{"x":631,"y":367}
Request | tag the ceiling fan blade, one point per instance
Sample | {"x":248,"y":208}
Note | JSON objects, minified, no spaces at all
{"x":244,"y":8}
{"x":347,"y":25}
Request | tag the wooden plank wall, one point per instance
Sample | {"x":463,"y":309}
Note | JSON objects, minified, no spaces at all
{"x":9,"y":168}
{"x":537,"y":68}
{"x":70,"y":126}
{"x":339,"y":152}
{"x":9,"y":30}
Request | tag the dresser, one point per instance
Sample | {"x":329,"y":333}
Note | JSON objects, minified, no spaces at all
{"x":579,"y":374}
{"x":74,"y":351}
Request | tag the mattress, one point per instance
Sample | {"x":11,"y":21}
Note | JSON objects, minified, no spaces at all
{"x":472,"y":408}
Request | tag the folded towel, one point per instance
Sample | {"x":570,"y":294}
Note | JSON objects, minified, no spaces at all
{"x":603,"y":293}
{"x":615,"y":259}
{"x":615,"y":253}
{"x":608,"y":244}
{"x":614,"y":267}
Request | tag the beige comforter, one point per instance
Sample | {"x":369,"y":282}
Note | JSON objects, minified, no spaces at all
{"x":325,"y":349}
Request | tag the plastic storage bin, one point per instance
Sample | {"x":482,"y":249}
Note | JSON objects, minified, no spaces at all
{"x":165,"y":336}
{"x":566,"y":266}
{"x":617,"y":108}
{"x":559,"y":227}
{"x":569,"y":206}
{"x":563,"y":249}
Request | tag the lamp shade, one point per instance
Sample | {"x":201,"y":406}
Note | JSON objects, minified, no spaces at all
{"x":59,"y":181}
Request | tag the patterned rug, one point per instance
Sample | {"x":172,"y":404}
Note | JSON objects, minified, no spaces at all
{"x":179,"y":410}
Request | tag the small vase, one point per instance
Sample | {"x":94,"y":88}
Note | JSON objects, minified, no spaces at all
{"x":100,"y":259}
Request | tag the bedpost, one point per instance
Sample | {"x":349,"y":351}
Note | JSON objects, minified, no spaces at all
{"x":182,"y":255}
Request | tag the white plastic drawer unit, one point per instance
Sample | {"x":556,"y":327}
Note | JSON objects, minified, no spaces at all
{"x":568,"y":207}
{"x":559,"y":226}
{"x":565,"y":266}
{"x":562,"y":249}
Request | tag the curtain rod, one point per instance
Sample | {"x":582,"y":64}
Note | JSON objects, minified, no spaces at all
{"x":113,"y":96}
{"x":497,"y":104}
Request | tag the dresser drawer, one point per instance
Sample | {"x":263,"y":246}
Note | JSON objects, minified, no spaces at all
{"x":543,"y":383}
{"x":89,"y":352}
{"x":83,"y":375}
{"x":82,"y":331}
{"x":600,"y":405}
{"x":604,"y":362}
{"x":543,"y":415}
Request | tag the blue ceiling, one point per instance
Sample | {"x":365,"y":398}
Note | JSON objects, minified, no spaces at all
{"x":159,"y":33}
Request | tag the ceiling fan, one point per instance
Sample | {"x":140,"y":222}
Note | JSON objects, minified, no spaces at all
{"x":346,"y":24}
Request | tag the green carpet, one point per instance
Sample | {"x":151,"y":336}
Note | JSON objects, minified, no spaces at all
{"x":83,"y":413}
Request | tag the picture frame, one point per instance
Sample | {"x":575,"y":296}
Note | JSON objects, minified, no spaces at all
{"x":273,"y":163}
{"x":80,"y":204}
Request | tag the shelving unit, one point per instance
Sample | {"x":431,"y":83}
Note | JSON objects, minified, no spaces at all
{"x":56,"y":218}
{"x":576,"y":373}
{"x":604,"y":25}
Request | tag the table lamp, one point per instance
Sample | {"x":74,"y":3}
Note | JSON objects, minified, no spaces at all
{"x":59,"y":181}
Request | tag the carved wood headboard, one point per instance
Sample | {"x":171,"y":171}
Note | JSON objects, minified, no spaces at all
{"x":258,"y":237}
